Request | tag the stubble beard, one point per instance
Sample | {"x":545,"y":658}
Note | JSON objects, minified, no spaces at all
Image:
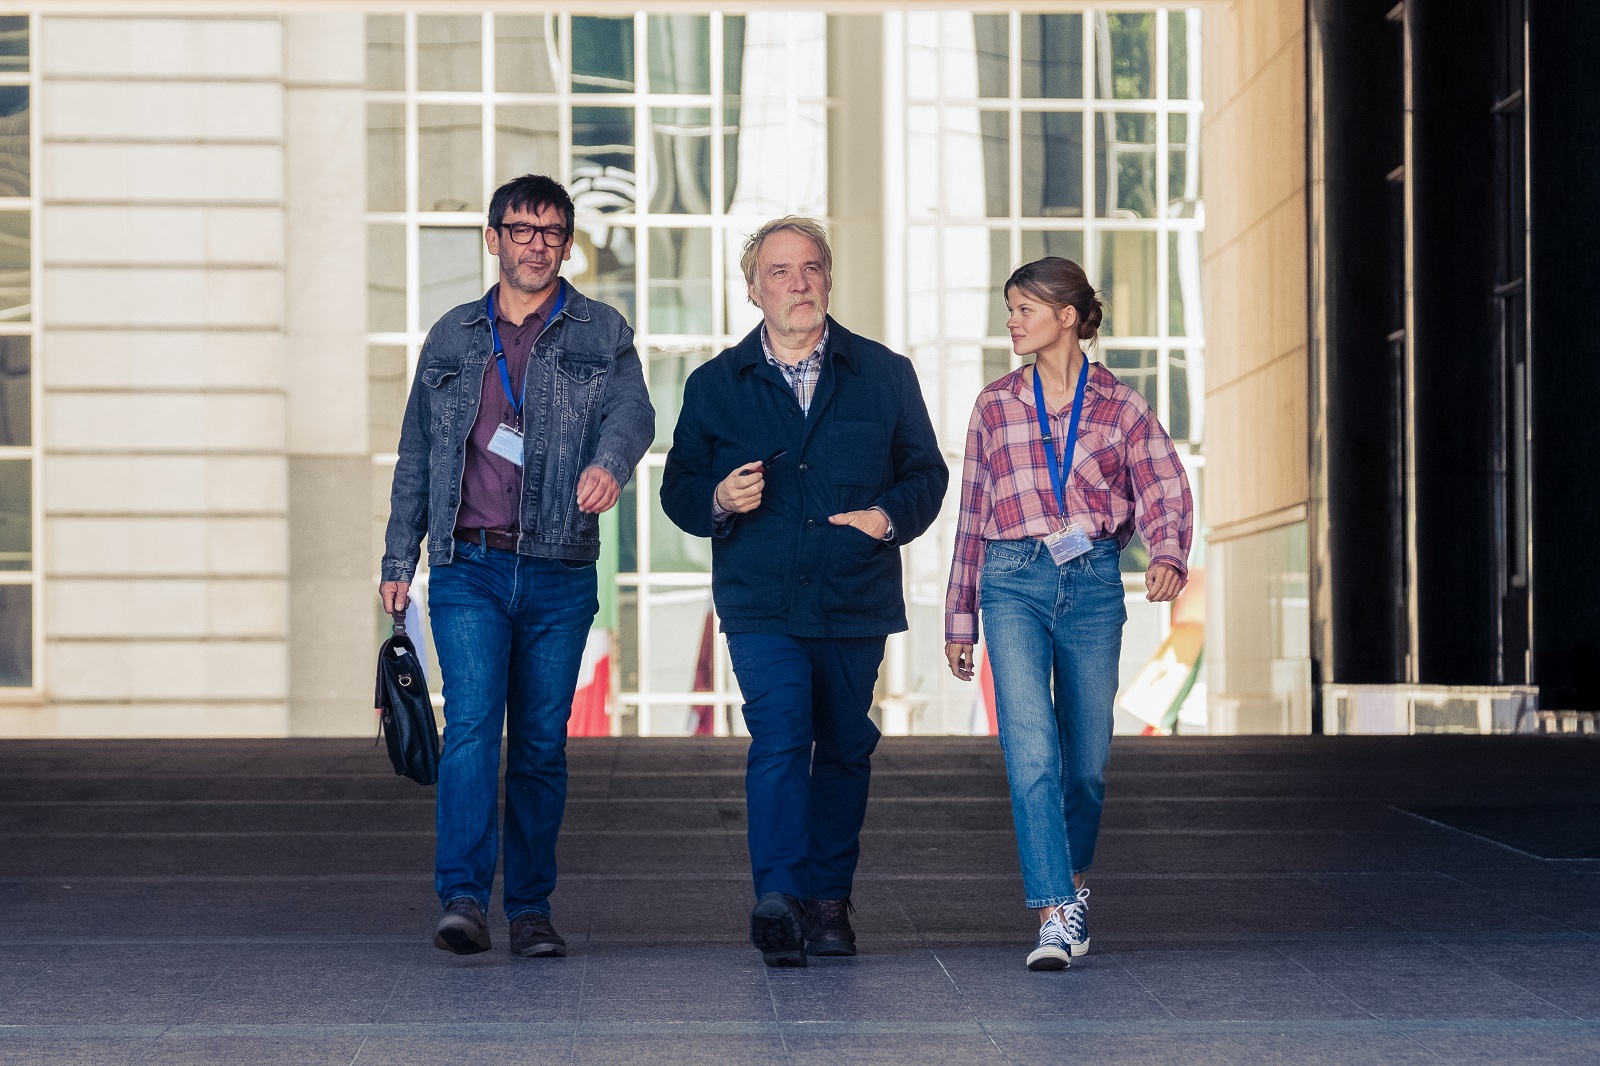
{"x":800,"y":315}
{"x":518,"y":276}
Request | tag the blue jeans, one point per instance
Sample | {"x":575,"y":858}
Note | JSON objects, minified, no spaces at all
{"x":811,"y":744}
{"x":510,"y":631}
{"x":1063,"y":623}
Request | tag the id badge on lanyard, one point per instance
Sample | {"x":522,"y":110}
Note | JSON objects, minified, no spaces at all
{"x":1070,"y":541}
{"x":507,"y":440}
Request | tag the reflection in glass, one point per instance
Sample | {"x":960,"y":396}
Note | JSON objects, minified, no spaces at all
{"x":996,"y":127}
{"x":969,"y":279}
{"x":997,"y":363}
{"x":667,"y":368}
{"x":386,"y":396}
{"x":1128,"y":282}
{"x":450,"y":269}
{"x":1052,"y":164}
{"x":386,"y":52}
{"x":992,"y":35}
{"x":1125,"y":164}
{"x":449,"y":157}
{"x":16,"y":267}
{"x":1184,"y":310}
{"x":386,"y":157}
{"x":1183,"y":166}
{"x":16,"y":636}
{"x":680,"y":280}
{"x":386,"y":277}
{"x":922,"y":55}
{"x":808,"y":178}
{"x":603,"y":177}
{"x":1129,"y":40}
{"x":1179,"y":422}
{"x":1052,"y":56}
{"x":16,"y":514}
{"x":674,"y":551}
{"x":1139,"y":370}
{"x":627,"y":551}
{"x":16,"y":391}
{"x":14,"y":42}
{"x":450,"y":53}
{"x":1180,"y":25}
{"x":527,"y":53}
{"x":741,"y":315}
{"x":602,"y":54}
{"x":527,"y":141}
{"x":1067,"y":243}
{"x":1000,"y":267}
{"x":14,"y":143}
{"x":603,"y":265}
{"x":680,"y":141}
{"x":680,"y":54}
{"x":922,"y":162}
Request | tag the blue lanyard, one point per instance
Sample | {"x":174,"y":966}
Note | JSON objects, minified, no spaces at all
{"x":1059,"y":467}
{"x":500,"y":351}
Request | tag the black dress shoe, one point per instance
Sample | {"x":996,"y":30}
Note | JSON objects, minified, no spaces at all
{"x":830,"y":932}
{"x":462,"y":928}
{"x":778,"y":930}
{"x":533,"y":937}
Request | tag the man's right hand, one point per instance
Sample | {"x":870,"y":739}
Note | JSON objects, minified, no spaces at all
{"x":396,"y":595}
{"x":740,"y":491}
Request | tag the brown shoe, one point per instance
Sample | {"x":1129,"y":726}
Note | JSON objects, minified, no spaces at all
{"x":829,"y":931}
{"x":462,"y":928}
{"x":533,"y":937}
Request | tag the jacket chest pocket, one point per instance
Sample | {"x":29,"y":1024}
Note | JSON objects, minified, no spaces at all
{"x":441,"y":382}
{"x":579,"y":382}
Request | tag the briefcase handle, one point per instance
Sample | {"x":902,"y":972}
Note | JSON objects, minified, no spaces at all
{"x":399,"y":618}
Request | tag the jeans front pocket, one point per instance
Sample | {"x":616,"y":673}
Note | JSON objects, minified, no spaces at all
{"x":1002,"y":557}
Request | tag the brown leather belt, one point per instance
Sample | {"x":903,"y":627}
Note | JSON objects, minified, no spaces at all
{"x":493,"y":538}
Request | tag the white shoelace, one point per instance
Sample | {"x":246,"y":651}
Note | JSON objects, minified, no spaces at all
{"x":1067,"y":924}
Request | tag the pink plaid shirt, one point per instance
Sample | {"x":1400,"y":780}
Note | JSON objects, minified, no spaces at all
{"x":1124,"y":470}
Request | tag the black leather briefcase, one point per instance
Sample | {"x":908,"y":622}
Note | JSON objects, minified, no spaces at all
{"x":405,"y":711}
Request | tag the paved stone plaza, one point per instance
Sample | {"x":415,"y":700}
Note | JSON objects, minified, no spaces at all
{"x":1255,"y":900}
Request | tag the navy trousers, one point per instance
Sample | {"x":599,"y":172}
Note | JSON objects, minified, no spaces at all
{"x":811,"y":744}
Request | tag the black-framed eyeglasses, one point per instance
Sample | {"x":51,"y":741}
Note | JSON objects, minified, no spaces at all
{"x":522,"y":233}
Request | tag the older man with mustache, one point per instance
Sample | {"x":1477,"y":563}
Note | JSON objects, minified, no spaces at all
{"x":806,"y":453}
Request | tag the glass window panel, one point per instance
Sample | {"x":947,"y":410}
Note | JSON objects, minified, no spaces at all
{"x":14,"y":143}
{"x":386,"y":52}
{"x":450,"y":270}
{"x":996,"y":364}
{"x":1138,"y":369}
{"x":742,"y":316}
{"x":733,"y":28}
{"x":922,"y":162}
{"x":671,"y":549}
{"x":1128,"y":283}
{"x":961,"y":160}
{"x":667,"y":368}
{"x":628,"y":627}
{"x":386,"y":278}
{"x":16,"y":636}
{"x":1179,"y":70}
{"x":680,"y":140}
{"x":808,"y":174}
{"x":16,"y":514}
{"x":680,"y":280}
{"x":1052,"y":56}
{"x":922,"y":282}
{"x":1052,"y":164}
{"x":450,"y":53}
{"x":602,"y":54}
{"x":680,"y":53}
{"x":1129,"y":42}
{"x":627,"y":542}
{"x":526,"y":53}
{"x":922,"y":55}
{"x":730,"y":154}
{"x":1178,"y":421}
{"x":968,"y":296}
{"x":14,"y":42}
{"x":386,"y":396}
{"x":992,"y":38}
{"x":1183,"y":166}
{"x":449,"y":157}
{"x":1067,"y":243}
{"x":1000,"y":268}
{"x":16,"y":267}
{"x":527,"y":140}
{"x":1184,"y":310}
{"x":386,"y":157}
{"x":603,"y":264}
{"x":1125,"y":164}
{"x":16,"y":391}
{"x":603,"y":178}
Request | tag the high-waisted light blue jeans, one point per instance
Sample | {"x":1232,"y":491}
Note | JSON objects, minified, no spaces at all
{"x":1046,"y":623}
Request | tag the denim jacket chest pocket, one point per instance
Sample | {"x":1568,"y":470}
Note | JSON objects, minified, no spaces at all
{"x":443,"y":382}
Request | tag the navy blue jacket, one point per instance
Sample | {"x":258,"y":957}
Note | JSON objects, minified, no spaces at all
{"x":867,"y":442}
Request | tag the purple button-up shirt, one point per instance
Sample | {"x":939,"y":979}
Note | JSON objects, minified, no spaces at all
{"x":491,"y":487}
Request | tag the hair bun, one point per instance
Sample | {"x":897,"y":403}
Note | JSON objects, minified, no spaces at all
{"x":1089,"y":326}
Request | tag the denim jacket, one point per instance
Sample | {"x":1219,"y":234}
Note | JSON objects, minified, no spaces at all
{"x":586,"y":405}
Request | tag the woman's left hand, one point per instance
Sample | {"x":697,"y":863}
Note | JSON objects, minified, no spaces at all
{"x":1162,"y":583}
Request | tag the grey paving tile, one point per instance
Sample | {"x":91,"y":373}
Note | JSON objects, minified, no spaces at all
{"x":478,"y":1049}
{"x":304,"y":983}
{"x":892,"y":1049}
{"x":1235,"y":982}
{"x":1515,"y":1046}
{"x":896,"y":983}
{"x":51,"y":1046}
{"x":1564,"y":971}
{"x":121,"y":984}
{"x":1119,"y":1049}
{"x":996,"y":986}
{"x":435,"y":988}
{"x":666,"y":1048}
{"x":1417,"y":980}
{"x":179,"y":1048}
{"x":655,"y":983}
{"x":1439,"y":903}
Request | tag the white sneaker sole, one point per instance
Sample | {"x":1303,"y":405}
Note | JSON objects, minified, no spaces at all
{"x":1080,"y":950}
{"x":1049,"y":959}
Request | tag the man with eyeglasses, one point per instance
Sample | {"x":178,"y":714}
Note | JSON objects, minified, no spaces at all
{"x":527,"y":415}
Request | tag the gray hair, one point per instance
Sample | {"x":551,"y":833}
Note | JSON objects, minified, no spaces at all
{"x":806,"y":227}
